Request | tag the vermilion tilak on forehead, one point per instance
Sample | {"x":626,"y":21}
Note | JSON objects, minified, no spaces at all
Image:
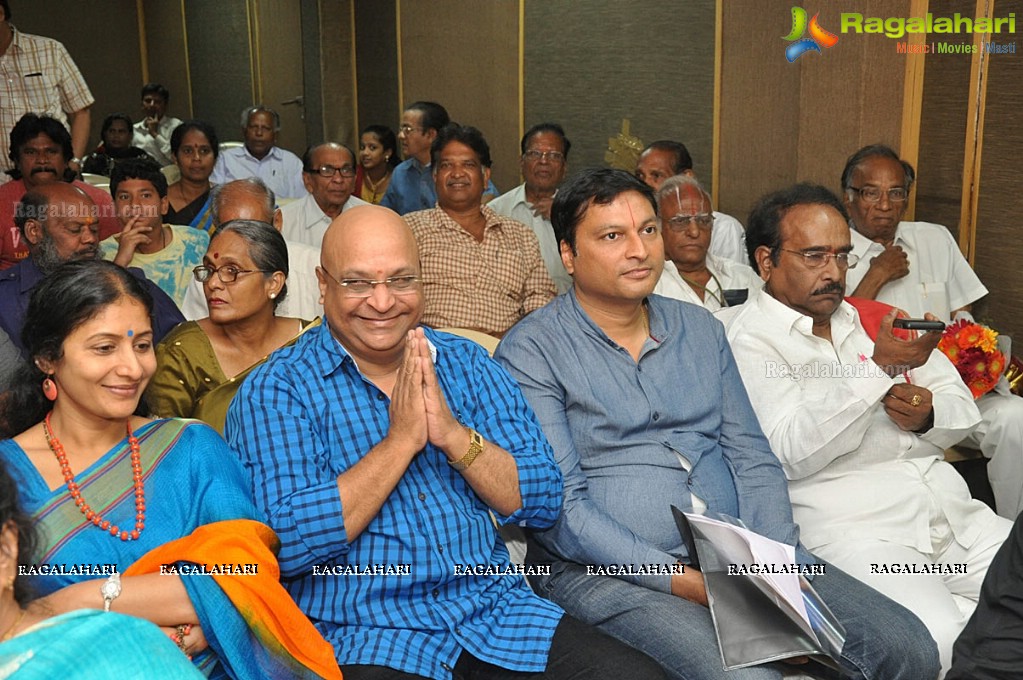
{"x":631,"y":217}
{"x":216,"y":256}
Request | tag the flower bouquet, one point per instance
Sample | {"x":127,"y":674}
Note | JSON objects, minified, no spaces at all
{"x":972,"y":349}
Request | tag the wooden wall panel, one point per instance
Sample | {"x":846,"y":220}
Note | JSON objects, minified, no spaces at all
{"x":103,"y":39}
{"x":999,"y":234}
{"x":166,"y":57}
{"x":464,"y":55}
{"x":219,"y":57}
{"x":376,"y":58}
{"x":338,"y":87}
{"x":781,"y":122}
{"x":591,"y":63}
{"x":943,"y":132}
{"x":760,"y":99}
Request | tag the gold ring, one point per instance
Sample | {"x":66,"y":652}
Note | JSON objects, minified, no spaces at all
{"x":916,"y":400}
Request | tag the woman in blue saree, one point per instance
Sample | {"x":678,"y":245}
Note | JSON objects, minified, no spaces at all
{"x":160,"y":500}
{"x":195,"y":148}
{"x":34,"y":646}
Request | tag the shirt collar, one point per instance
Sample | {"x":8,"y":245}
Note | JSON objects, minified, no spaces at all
{"x":659,"y":331}
{"x":274,"y":153}
{"x":862,"y":242}
{"x":331,"y":354}
{"x":842,"y":321}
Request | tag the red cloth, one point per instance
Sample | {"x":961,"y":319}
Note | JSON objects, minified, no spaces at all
{"x":871,"y":312}
{"x":13,"y":248}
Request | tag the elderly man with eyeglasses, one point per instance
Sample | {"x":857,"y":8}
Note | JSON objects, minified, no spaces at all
{"x":543,"y":163}
{"x":328,"y":173}
{"x":692,"y":273}
{"x":918,"y":267}
{"x":860,"y":418}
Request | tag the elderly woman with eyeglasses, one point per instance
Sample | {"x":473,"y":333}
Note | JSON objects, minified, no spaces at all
{"x":691,"y":273}
{"x":201,"y":364}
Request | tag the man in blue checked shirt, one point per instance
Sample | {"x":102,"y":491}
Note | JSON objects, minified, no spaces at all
{"x":378,"y":450}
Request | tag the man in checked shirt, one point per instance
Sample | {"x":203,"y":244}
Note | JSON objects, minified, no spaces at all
{"x":481,"y":270}
{"x":381,"y":453}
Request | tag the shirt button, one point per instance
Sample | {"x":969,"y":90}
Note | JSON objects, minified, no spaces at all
{"x":380,"y":397}
{"x":422,"y":496}
{"x":435,"y":593}
{"x":446,"y":667}
{"x":440,"y":548}
{"x":656,"y":416}
{"x":689,"y":481}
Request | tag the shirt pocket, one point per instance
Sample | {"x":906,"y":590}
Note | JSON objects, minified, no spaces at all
{"x":934,"y":299}
{"x":39,"y":90}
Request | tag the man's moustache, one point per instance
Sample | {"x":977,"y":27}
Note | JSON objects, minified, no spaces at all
{"x":44,"y":168}
{"x":830,"y":288}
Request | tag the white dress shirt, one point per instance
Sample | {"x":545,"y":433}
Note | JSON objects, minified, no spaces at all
{"x":730,"y":275}
{"x":728,"y":240}
{"x":281,"y":170}
{"x":303,"y":221}
{"x":301,"y":302}
{"x":513,"y":204}
{"x":159,"y":146}
{"x":939,"y":280}
{"x":853,"y":473}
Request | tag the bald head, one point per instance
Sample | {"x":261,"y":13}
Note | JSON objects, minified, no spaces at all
{"x":245,"y":199}
{"x":364,"y":234}
{"x":373,"y":251}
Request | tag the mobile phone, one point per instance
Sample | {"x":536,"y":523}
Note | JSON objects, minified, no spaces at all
{"x":919,"y":324}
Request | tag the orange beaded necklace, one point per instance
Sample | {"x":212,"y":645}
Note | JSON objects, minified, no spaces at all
{"x":76,"y":494}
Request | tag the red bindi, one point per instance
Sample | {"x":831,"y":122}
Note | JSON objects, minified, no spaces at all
{"x":216,"y":255}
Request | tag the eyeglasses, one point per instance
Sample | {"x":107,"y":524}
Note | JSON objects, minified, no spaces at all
{"x":227,"y":274}
{"x":363,"y":288}
{"x":815,"y":259}
{"x":873,"y":194}
{"x":534,"y":156}
{"x":681,"y":222}
{"x":407,"y":129}
{"x":331,"y":170}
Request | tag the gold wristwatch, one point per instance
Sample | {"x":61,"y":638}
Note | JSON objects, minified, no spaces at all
{"x":475,"y":449}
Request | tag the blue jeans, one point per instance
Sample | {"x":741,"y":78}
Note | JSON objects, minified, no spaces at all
{"x":884,"y":641}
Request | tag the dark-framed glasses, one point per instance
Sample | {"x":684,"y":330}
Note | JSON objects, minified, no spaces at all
{"x":874,"y":194}
{"x":815,"y":259}
{"x":228,"y":273}
{"x":331,"y":170}
{"x":535,"y":156}
{"x":681,"y":222}
{"x":362,"y":288}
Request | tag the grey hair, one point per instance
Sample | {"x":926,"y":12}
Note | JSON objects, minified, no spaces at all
{"x":253,"y":110}
{"x":674,"y":185}
{"x":267,"y":248}
{"x":250,"y":185}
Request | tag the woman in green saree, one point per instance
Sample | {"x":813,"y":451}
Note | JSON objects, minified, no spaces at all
{"x":202,"y":363}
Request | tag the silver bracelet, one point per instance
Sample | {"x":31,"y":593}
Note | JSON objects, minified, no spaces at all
{"x":110,"y":589}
